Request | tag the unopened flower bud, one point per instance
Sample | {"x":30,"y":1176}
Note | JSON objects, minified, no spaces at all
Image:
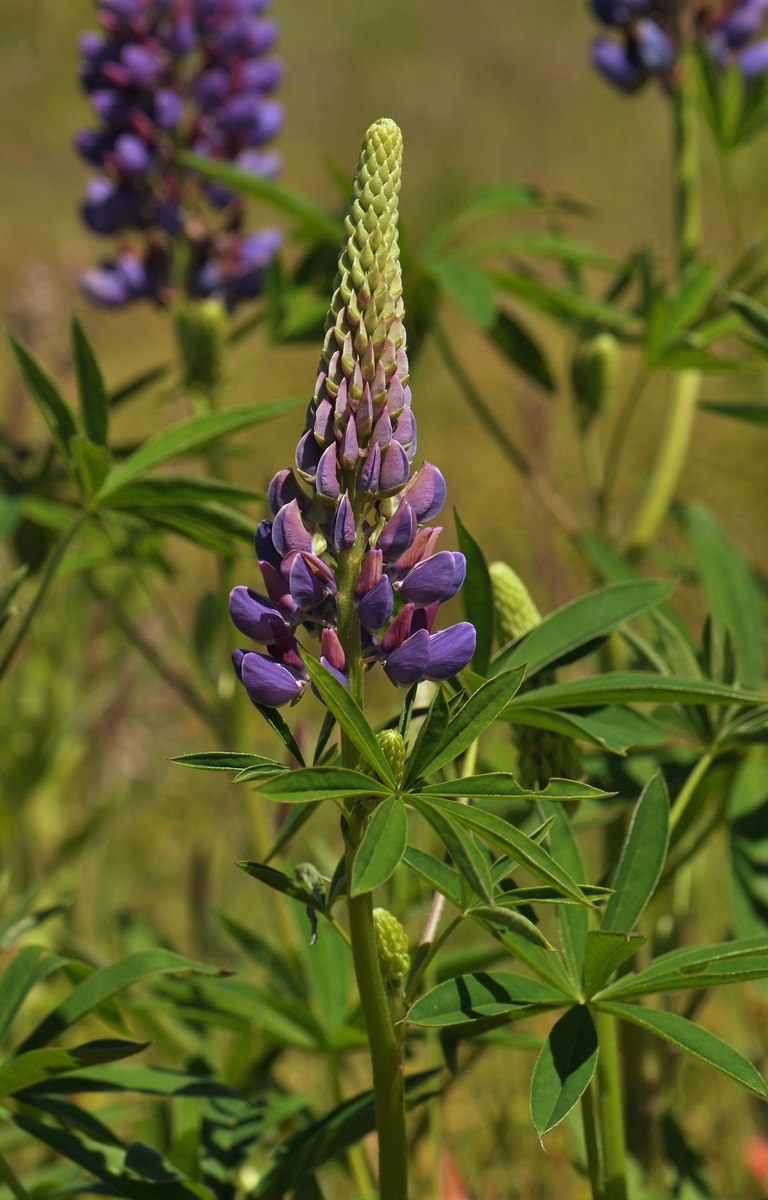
{"x":543,"y":755}
{"x":201,"y":330}
{"x":393,"y":746}
{"x":515,"y":611}
{"x":594,"y":372}
{"x":392,"y":945}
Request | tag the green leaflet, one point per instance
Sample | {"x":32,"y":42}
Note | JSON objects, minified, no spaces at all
{"x":466,"y":854}
{"x":583,"y":621}
{"x":192,"y":435}
{"x":488,"y":994}
{"x":642,"y":858}
{"x":476,"y":597}
{"x":696,"y":967}
{"x":521,"y":349}
{"x":28,"y":967}
{"x":429,"y":737}
{"x":349,"y":717}
{"x":103,"y":985}
{"x":307,"y":784}
{"x":502,"y":786}
{"x":436,"y":874}
{"x":614,"y":728}
{"x":510,"y":921}
{"x":53,"y":407}
{"x":224,"y":760}
{"x":94,"y":404}
{"x":618,"y":688}
{"x":282,"y":883}
{"x":693,"y":1039}
{"x":479,"y":711}
{"x":572,"y":920}
{"x":382,"y":847}
{"x":172,"y":488}
{"x":563,"y":1069}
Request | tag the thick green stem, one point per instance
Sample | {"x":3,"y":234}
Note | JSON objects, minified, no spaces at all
{"x":592,"y":1142}
{"x":52,"y":567}
{"x":688,"y":790}
{"x":610,"y":1109}
{"x":673,"y":451}
{"x":382,"y":1038}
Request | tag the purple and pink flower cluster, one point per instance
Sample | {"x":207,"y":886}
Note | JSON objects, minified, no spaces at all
{"x":353,"y":486}
{"x":164,"y":76}
{"x":649,"y":43}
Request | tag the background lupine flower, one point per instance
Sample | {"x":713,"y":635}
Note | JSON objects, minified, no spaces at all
{"x":165,"y":75}
{"x":353,"y":512}
{"x":649,"y":43}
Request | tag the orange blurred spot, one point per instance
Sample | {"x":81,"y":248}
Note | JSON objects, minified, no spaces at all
{"x":755,"y":1155}
{"x":453,"y":1185}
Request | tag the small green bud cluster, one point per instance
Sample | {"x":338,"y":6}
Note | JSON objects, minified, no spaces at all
{"x":201,"y":329}
{"x":543,"y":755}
{"x":393,"y":745}
{"x":594,"y":373}
{"x":392,"y":945}
{"x":514,"y":609}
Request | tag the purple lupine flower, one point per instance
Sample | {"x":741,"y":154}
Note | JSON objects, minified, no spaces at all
{"x":165,"y":75}
{"x":353,"y":512}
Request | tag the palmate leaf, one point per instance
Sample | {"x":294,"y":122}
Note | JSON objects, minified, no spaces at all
{"x":192,"y":435}
{"x":479,"y":711}
{"x":642,"y":858}
{"x":486,"y":994}
{"x":502,"y":786}
{"x":324,"y":1139}
{"x":564,"y":1069}
{"x":693,"y":1039}
{"x":103,"y":985}
{"x":476,"y":597}
{"x":308,"y":784}
{"x":349,"y":717}
{"x":382,"y":847}
{"x":637,"y":687}
{"x":581,"y":623}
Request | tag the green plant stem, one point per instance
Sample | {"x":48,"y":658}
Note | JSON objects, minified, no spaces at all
{"x":421,"y":965}
{"x":616,"y":443}
{"x":592,"y":1142}
{"x":51,"y":568}
{"x":688,"y":791}
{"x":11,"y":1180}
{"x":382,"y":1038}
{"x":610,"y":1109}
{"x":535,"y":479}
{"x":686,"y":166}
{"x":672,"y":453}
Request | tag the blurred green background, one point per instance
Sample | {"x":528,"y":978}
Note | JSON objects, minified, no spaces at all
{"x":487,"y":92}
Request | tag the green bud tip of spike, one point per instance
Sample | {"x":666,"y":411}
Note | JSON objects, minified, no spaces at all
{"x":392,"y":946}
{"x":594,"y":374}
{"x":201,"y":330}
{"x":393,"y":746}
{"x":515,"y":611}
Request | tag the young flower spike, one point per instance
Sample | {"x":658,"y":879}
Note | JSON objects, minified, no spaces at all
{"x":349,"y":529}
{"x":164,"y":76}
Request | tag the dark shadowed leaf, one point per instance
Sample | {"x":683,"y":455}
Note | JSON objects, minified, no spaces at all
{"x":605,"y":951}
{"x":38,"y":1065}
{"x":516,"y":344}
{"x":572,"y":920}
{"x":476,"y":597}
{"x":94,"y":404}
{"x":618,"y":688}
{"x":502,"y":786}
{"x":53,"y":407}
{"x":282,"y":883}
{"x":225,"y":760}
{"x":564,"y":1069}
{"x":487,"y":994}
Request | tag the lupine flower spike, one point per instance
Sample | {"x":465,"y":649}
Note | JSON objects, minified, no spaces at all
{"x":163,"y":76}
{"x":350,"y":552}
{"x":650,"y":43}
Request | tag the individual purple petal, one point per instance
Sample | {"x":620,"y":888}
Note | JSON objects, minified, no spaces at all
{"x":337,"y":674}
{"x":460,"y":575}
{"x":398,"y":533}
{"x":654,"y":49}
{"x":266,"y":163}
{"x":399,"y":630}
{"x":283,"y":489}
{"x":376,"y":607}
{"x":426,"y":492}
{"x":450,"y":651}
{"x":268,"y":682}
{"x":308,"y":587}
{"x":612,"y":61}
{"x":408,"y":663}
{"x":133,"y":155}
{"x":753,"y":60}
{"x":364,"y":414}
{"x":619,"y":12}
{"x":327,"y":481}
{"x":105,"y":286}
{"x":395,"y":469}
{"x":278,"y":589}
{"x":343,"y":530}
{"x":92,"y":146}
{"x":266,"y":550}
{"x":395,"y":398}
{"x":144,"y":66}
{"x":253,"y":615}
{"x":261,"y":75}
{"x":431,"y":580}
{"x":405,"y":429}
{"x":108,"y":208}
{"x":370,"y":573}
{"x":382,"y":433}
{"x":308,"y":456}
{"x":349,"y":447}
{"x":169,"y":108}
{"x":368,"y":479}
{"x":323,"y":423}
{"x":423,"y":547}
